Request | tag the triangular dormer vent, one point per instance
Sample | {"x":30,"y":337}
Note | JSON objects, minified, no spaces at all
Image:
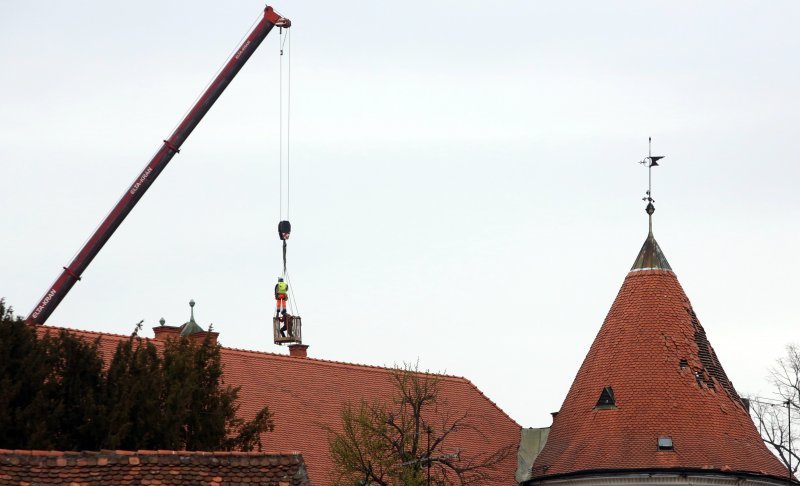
{"x":606,"y":400}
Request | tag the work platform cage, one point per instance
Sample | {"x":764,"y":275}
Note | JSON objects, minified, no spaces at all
{"x":287,"y":329}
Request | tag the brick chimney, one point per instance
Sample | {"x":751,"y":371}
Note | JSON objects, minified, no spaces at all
{"x":199,"y":337}
{"x":194,"y":331}
{"x":163,"y":332}
{"x":298,"y":350}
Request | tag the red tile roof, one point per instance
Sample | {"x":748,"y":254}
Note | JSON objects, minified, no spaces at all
{"x":666,"y":381}
{"x":151,"y":467}
{"x":307,"y":394}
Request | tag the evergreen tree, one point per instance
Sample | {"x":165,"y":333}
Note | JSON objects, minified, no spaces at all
{"x":55,"y":394}
{"x":71,"y":403}
{"x":135,"y":386}
{"x":199,"y":409}
{"x":213,"y":404}
{"x":22,"y":373}
{"x":50,"y":389}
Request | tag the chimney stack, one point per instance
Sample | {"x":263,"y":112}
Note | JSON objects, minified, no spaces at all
{"x":163,"y":332}
{"x":190,"y":329}
{"x":298,"y":350}
{"x":199,"y":337}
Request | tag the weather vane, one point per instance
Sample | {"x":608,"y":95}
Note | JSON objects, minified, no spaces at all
{"x":650,"y":161}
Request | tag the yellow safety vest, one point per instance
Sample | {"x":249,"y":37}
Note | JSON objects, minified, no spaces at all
{"x":283,"y":288}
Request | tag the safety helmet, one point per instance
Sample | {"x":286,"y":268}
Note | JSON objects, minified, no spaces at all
{"x":280,"y":279}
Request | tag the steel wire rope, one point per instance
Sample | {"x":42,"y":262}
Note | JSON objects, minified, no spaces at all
{"x":280,"y":124}
{"x":285,"y":39}
{"x":288,"y":125}
{"x":288,"y":40}
{"x":293,"y":302}
{"x":282,"y":46}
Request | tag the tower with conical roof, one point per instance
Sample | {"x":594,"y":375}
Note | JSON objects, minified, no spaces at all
{"x":651,"y":403}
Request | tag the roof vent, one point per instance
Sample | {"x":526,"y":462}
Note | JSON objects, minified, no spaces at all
{"x":684,"y":363}
{"x":665,"y":444}
{"x":606,"y":401}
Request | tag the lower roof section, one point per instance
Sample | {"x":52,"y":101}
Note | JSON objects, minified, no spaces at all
{"x":306,"y":395}
{"x":151,"y":467}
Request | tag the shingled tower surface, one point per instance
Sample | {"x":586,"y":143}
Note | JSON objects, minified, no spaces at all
{"x":651,"y":403}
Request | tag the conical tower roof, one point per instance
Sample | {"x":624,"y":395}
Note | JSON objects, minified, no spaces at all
{"x":651,"y":394}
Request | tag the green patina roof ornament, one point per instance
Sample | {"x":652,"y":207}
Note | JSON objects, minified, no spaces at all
{"x":650,"y":256}
{"x":191,"y":327}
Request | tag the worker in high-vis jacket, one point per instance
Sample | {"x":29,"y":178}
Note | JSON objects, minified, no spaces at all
{"x":281,"y":293}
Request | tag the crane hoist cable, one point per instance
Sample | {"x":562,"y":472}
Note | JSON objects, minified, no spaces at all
{"x":284,"y":226}
{"x":292,"y":301}
{"x":286,"y":326}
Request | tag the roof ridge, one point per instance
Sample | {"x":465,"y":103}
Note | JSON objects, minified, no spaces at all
{"x":269,"y":353}
{"x":101,"y":333}
{"x":344,"y":364}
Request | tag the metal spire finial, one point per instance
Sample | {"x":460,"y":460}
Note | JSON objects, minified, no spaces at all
{"x":650,"y":256}
{"x":650,"y":161}
{"x":191,"y":327}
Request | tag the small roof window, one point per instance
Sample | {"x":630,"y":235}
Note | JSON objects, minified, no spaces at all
{"x":665,"y":444}
{"x":606,"y":400}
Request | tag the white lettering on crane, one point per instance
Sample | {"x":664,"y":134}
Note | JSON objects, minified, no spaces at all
{"x":241,"y":51}
{"x":135,"y":187}
{"x":45,"y":301}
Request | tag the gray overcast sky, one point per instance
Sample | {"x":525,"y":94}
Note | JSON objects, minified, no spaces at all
{"x":464,"y":182}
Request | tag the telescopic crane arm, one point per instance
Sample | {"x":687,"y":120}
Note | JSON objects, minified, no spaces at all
{"x":171,"y":146}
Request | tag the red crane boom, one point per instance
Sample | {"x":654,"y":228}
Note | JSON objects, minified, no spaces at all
{"x":171,"y":146}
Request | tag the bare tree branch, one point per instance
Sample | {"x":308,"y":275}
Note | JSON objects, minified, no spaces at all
{"x":404,"y":441}
{"x":772,"y":417}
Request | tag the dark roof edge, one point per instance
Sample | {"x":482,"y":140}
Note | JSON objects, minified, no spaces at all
{"x":145,"y":452}
{"x":665,"y":470}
